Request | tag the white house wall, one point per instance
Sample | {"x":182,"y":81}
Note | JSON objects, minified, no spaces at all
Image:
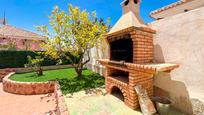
{"x":180,"y":39}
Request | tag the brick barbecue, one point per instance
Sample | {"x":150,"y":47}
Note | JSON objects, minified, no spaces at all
{"x":130,"y":60}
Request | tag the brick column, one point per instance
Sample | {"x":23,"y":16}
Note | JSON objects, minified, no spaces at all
{"x":142,"y":45}
{"x":139,"y":78}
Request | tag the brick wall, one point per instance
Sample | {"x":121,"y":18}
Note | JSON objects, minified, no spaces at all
{"x":22,"y":44}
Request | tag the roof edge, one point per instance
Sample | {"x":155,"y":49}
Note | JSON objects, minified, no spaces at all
{"x":175,"y":4}
{"x":38,"y":36}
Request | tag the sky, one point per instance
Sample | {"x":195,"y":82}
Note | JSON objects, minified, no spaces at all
{"x":27,"y":14}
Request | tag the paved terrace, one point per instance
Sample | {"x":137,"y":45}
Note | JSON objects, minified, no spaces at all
{"x":11,"y":104}
{"x":93,"y":102}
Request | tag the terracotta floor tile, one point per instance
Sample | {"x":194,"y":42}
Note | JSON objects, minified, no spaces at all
{"x":12,"y":104}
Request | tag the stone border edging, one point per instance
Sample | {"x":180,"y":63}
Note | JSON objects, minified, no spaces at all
{"x":4,"y":72}
{"x":27,"y":88}
{"x":61,"y":108}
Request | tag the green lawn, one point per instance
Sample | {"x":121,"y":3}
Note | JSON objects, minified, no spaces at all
{"x":48,"y":75}
{"x":67,"y":78}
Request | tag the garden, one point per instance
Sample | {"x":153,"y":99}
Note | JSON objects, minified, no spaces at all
{"x":67,"y":79}
{"x":74,"y":33}
{"x":77,"y":62}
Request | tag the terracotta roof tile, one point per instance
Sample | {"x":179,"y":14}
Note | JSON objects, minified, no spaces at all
{"x":180,"y":2}
{"x":9,"y":31}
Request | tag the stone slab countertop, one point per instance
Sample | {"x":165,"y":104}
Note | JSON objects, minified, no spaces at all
{"x":154,"y":67}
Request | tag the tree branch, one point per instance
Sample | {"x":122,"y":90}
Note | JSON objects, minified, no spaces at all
{"x":87,"y":59}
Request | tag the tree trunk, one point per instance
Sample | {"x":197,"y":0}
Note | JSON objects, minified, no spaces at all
{"x":79,"y":73}
{"x":40,"y":72}
{"x":79,"y":70}
{"x":79,"y":67}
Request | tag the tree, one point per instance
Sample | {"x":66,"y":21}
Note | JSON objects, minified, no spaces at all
{"x":35,"y":64}
{"x":73,"y":35}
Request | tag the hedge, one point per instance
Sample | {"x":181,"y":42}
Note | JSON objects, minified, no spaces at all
{"x":16,"y":59}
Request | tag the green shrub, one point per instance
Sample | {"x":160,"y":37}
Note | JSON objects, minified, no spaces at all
{"x":16,"y":59}
{"x":12,"y":59}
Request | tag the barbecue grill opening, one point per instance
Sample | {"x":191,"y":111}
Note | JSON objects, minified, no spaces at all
{"x":122,"y":50}
{"x":117,"y":93}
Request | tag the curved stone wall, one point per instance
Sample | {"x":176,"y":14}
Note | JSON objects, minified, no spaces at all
{"x":27,"y":88}
{"x":4,"y":72}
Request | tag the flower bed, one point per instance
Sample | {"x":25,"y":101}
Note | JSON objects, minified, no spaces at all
{"x":67,"y":78}
{"x":27,"y":88}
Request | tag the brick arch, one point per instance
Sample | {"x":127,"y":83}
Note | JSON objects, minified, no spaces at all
{"x":124,"y":93}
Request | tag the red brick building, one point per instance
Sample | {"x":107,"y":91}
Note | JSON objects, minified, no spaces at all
{"x":19,"y":39}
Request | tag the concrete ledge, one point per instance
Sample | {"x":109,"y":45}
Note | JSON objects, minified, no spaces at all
{"x":54,"y":67}
{"x":61,"y":108}
{"x":27,"y":88}
{"x":28,"y":69}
